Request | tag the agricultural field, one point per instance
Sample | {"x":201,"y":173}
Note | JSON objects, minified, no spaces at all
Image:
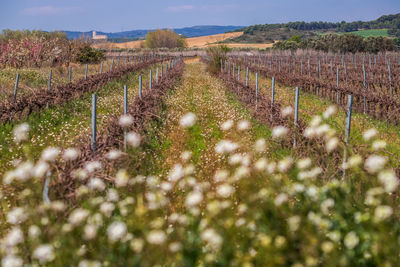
{"x":182,"y":160}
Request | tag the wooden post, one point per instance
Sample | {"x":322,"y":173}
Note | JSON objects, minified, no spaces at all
{"x":94,"y":122}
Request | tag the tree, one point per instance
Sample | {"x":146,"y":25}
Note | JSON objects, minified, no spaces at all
{"x":164,"y":39}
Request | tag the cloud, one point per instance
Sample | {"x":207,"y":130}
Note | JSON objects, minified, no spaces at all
{"x":50,"y":10}
{"x":180,"y":8}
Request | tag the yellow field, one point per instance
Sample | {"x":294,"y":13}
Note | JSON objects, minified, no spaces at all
{"x":194,"y":42}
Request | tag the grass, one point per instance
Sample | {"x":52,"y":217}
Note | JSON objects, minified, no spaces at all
{"x":373,"y":33}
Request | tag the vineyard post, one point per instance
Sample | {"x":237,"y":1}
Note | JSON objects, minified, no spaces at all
{"x":140,"y":86}
{"x":256,"y":91}
{"x":101,"y":67}
{"x":296,"y":113}
{"x":348,"y":129}
{"x":112,"y":64}
{"x":125,"y":111}
{"x":247,"y":76}
{"x":157,"y":75}
{"x":272,"y":95}
{"x":337,"y":85}
{"x":69,"y":74}
{"x":86,"y":71}
{"x":390,"y":78}
{"x":49,"y":82}
{"x":301,"y":68}
{"x":233,"y":70}
{"x":220,"y":62}
{"x":239,"y":73}
{"x":229,"y":67}
{"x":162,"y":69}
{"x":16,"y":87}
{"x":45,"y":193}
{"x":365,"y":89}
{"x":151,"y":78}
{"x":94,"y":125}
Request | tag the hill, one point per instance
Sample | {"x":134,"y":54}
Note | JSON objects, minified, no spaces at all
{"x":387,"y":25}
{"x":194,"y":31}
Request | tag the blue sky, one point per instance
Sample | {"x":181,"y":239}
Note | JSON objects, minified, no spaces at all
{"x":118,"y":15}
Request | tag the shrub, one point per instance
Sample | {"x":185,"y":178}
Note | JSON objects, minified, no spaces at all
{"x":164,"y":39}
{"x":88,"y":54}
{"x":217,"y":55}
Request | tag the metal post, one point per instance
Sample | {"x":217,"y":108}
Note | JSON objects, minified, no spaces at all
{"x":296,"y":113}
{"x":239,"y":73}
{"x":16,"y":87}
{"x":365,"y":89}
{"x":337,"y":85}
{"x":256,"y":91}
{"x":86,"y":71}
{"x":157,"y":76}
{"x":125,"y":111}
{"x":94,"y":124}
{"x":348,"y":129}
{"x":49,"y":82}
{"x":390,"y":78}
{"x":69,"y":74}
{"x":247,"y":76}
{"x":272,"y":96}
{"x":112,"y":65}
{"x":140,"y":86}
{"x":151,"y":78}
{"x":101,"y":67}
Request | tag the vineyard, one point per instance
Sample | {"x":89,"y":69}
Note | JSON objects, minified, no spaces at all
{"x":209,"y":158}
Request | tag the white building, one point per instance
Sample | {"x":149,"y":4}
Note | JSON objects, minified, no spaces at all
{"x":96,"y":37}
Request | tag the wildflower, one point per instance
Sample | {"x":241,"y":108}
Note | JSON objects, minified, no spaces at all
{"x":121,"y":178}
{"x":113,"y":154}
{"x":41,"y":169}
{"x":116,"y":231}
{"x":193,"y":198}
{"x":326,"y":205}
{"x":375,"y":163}
{"x":225,"y":146}
{"x":354,"y":161}
{"x":303,"y":163}
{"x":90,"y":232}
{"x":243,"y":125}
{"x":330,"y":111}
{"x":309,"y":132}
{"x":186,"y":155}
{"x":332,"y":144}
{"x":176,"y":173}
{"x":227,"y":125}
{"x":220,"y":175}
{"x":285,"y":164}
{"x":212,"y":237}
{"x":225,"y":190}
{"x":17,"y":216}
{"x":137,"y":245}
{"x":14,"y":237}
{"x":382,"y":213}
{"x":294,"y":223}
{"x":34,"y":231}
{"x":175,"y":247}
{"x":107,"y":208}
{"x":24,"y":171}
{"x":261,"y":164}
{"x":50,"y":154}
{"x":133,"y":139}
{"x":280,"y":199}
{"x":92,"y":166}
{"x":370,"y":134}
{"x":78,"y":216}
{"x":316,"y":121}
{"x":125,"y":121}
{"x":156,"y":237}
{"x":188,"y":120}
{"x":280,"y":241}
{"x":260,"y":145}
{"x":351,"y":240}
{"x":279,"y":132}
{"x":21,"y":132}
{"x":378,"y":145}
{"x":44,"y":253}
{"x":389,"y":180}
{"x":71,"y":154}
{"x":327,"y":247}
{"x":287,"y":111}
{"x":11,"y":261}
{"x":96,"y":184}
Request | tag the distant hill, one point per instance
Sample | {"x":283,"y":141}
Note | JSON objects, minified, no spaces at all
{"x":195,"y":31}
{"x":389,"y":24}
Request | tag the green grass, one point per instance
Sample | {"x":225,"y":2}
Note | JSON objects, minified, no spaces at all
{"x":373,"y":32}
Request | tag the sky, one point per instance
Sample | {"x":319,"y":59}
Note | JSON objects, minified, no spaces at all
{"x":124,"y":15}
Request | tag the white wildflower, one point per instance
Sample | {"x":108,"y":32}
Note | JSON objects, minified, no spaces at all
{"x":90,"y":232}
{"x":176,"y":173}
{"x":125,"y":120}
{"x":330,"y":111}
{"x":225,"y":190}
{"x":34,"y":232}
{"x":260,"y":145}
{"x":382,"y":213}
{"x":121,"y":178}
{"x":370,"y":134}
{"x":92,"y":166}
{"x":389,"y":180}
{"x":279,"y":132}
{"x":351,"y":240}
{"x":188,"y":120}
{"x":326,"y":205}
{"x":285,"y":164}
{"x":227,"y":125}
{"x":133,"y":139}
{"x":41,"y":169}
{"x":21,"y":132}
{"x":116,"y":231}
{"x":261,"y":164}
{"x":316,"y":121}
{"x":17,"y":215}
{"x":303,"y":163}
{"x":50,"y":154}
{"x":96,"y":184}
{"x":11,"y":261}
{"x":193,"y":198}
{"x":113,"y":154}
{"x":378,"y":145}
{"x":220,"y":175}
{"x":332,"y":144}
{"x":225,"y":146}
{"x":186,"y":155}
{"x":243,"y":125}
{"x":156,"y":237}
{"x":375,"y":163}
{"x":44,"y":253}
{"x":212,"y":238}
{"x":287,"y":111}
{"x":71,"y":154}
{"x":107,"y":208}
{"x":14,"y":237}
{"x":280,"y":199}
{"x":78,"y":216}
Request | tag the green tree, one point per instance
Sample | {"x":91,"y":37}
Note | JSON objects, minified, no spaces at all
{"x":164,"y":39}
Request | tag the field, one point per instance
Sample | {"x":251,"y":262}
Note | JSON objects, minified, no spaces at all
{"x":194,"y":42}
{"x":201,"y":164}
{"x":374,"y":32}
